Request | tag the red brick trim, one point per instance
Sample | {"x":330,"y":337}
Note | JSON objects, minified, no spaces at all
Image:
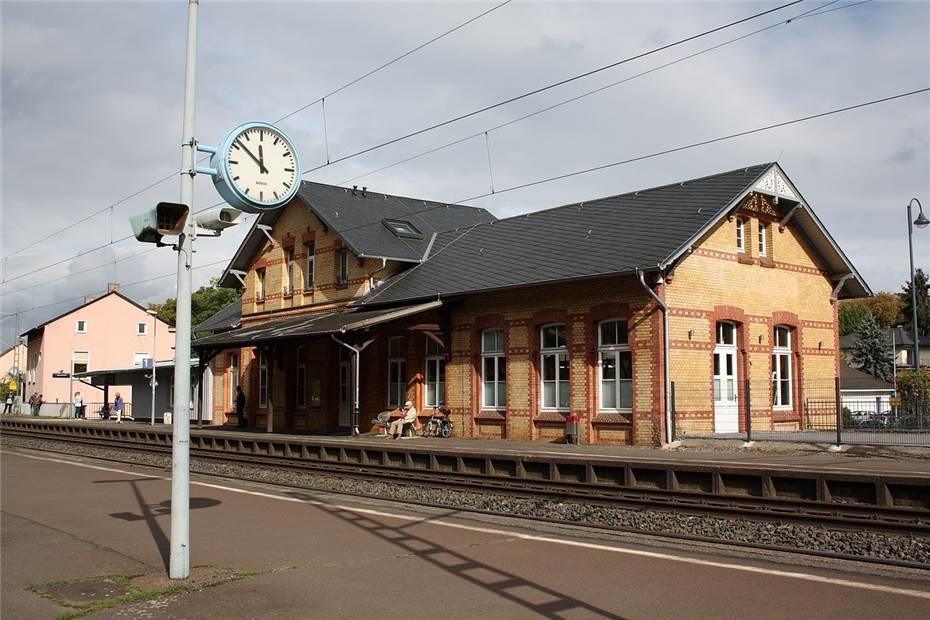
{"x":309,"y":236}
{"x":288,"y":241}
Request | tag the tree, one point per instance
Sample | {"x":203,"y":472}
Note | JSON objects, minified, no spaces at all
{"x":852,"y":313}
{"x":872,"y":353}
{"x":914,"y":382}
{"x":886,"y":308}
{"x":205,"y":302}
{"x":923,"y":303}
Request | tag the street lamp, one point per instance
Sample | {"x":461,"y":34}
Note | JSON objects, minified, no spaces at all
{"x":921,"y":222}
{"x":154,"y":359}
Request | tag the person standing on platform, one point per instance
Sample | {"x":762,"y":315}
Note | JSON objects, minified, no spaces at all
{"x":409,"y":415}
{"x":118,"y":406}
{"x":37,"y":405}
{"x":240,"y":408}
{"x":8,"y":405}
{"x":78,"y":405}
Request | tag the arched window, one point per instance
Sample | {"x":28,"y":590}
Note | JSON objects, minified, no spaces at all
{"x":781,"y":368}
{"x":435,"y":374}
{"x":554,"y":363}
{"x":493,"y":370}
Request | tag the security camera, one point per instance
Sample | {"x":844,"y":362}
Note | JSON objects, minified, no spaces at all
{"x":218,"y":218}
{"x":167,"y":218}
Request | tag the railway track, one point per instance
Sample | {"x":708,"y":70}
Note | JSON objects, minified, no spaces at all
{"x":422,"y":468}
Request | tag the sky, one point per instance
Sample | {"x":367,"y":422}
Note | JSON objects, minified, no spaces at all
{"x":91,"y":98}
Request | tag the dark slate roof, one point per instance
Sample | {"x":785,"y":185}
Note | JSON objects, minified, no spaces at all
{"x":606,"y":236}
{"x":318,"y":324}
{"x":855,"y":379}
{"x":358,"y":219}
{"x":902,"y":337}
{"x":224,"y":320}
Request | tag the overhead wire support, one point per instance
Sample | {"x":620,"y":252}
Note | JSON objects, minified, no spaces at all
{"x":487,"y":146}
{"x":541,"y":89}
{"x":325,"y":133}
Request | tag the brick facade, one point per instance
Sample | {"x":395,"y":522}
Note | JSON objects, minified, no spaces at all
{"x":787,"y":286}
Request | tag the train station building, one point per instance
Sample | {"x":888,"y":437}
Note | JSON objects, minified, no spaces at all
{"x":355,"y":301}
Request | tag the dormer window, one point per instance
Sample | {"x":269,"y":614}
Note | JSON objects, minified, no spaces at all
{"x":403,"y":229}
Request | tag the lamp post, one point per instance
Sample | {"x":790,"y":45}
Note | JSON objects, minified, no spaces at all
{"x":920,"y":222}
{"x":154,"y":360}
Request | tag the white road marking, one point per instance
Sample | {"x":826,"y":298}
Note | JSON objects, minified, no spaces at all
{"x":531,"y":537}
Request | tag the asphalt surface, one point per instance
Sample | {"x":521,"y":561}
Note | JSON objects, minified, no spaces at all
{"x":304,"y":555}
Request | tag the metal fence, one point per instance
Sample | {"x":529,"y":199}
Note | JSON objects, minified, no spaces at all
{"x":92,"y":411}
{"x":815,"y":411}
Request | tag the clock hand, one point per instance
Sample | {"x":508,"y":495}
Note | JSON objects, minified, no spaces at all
{"x":261,"y":159}
{"x":261,"y":166}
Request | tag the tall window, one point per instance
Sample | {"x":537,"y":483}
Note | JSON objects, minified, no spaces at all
{"x":80,"y":327}
{"x":138,"y":359}
{"x":343,"y":275}
{"x":493,"y":370}
{"x":741,"y":234}
{"x":311,"y":267}
{"x":763,"y":228}
{"x":262,"y":379}
{"x":80,"y":360}
{"x":397,"y":384}
{"x":435,"y":374}
{"x":260,"y":284}
{"x":300,"y":398}
{"x":291,"y":268}
{"x":781,"y":367}
{"x":141,"y":329}
{"x":554,"y":361}
{"x":616,"y":366}
{"x":233,"y":377}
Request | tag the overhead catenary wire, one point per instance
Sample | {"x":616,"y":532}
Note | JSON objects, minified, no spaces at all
{"x":784,"y":22}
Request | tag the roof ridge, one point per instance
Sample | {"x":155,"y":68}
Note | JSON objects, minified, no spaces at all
{"x":397,"y":197}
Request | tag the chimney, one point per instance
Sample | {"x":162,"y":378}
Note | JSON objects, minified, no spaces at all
{"x":88,"y":298}
{"x":112,"y":287}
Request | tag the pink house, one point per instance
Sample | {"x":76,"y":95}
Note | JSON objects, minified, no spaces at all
{"x":111,"y":331}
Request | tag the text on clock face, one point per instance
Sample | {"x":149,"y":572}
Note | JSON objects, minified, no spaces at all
{"x":262,"y":164}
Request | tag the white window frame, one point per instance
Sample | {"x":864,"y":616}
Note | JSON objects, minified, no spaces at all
{"x":144,"y":331}
{"x":260,"y":284}
{"x":615,"y":351}
{"x":498,"y":359}
{"x":741,"y":234}
{"x":300,"y":383}
{"x":80,"y":326}
{"x":556,"y":353}
{"x":397,"y":391}
{"x":763,"y":251}
{"x":779,"y":351}
{"x":141,"y":360}
{"x":290,"y":265}
{"x":435,"y":376}
{"x":233,"y":377}
{"x":262,"y":379}
{"x":310,"y":275}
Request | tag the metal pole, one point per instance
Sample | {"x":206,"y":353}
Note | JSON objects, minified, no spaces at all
{"x":674,"y":413}
{"x":154,"y":364}
{"x":910,"y":245}
{"x":839,"y":411}
{"x":748,"y":411}
{"x":19,"y":368}
{"x":179,"y":560}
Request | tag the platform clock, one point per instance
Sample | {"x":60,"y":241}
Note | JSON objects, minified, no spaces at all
{"x":256,"y":168}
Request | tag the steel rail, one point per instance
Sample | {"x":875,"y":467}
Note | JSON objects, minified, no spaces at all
{"x":888,"y":518}
{"x":653,"y":534}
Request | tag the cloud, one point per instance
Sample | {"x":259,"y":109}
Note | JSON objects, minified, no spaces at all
{"x":92,"y":95}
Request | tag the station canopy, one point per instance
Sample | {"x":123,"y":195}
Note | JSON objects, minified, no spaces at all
{"x":319,"y":324}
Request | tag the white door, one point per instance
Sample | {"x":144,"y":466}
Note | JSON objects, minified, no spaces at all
{"x":345,"y":401}
{"x":725,"y":390}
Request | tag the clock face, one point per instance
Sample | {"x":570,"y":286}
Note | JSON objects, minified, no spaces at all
{"x":262,"y":165}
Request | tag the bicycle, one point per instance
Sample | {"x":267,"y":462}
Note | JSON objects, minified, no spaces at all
{"x":439,"y":424}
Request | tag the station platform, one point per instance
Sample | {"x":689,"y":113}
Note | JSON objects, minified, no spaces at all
{"x":709,"y":453}
{"x":92,"y":537}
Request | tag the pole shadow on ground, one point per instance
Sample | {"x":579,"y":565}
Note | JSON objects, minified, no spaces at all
{"x":539,"y":599}
{"x":151,"y":512}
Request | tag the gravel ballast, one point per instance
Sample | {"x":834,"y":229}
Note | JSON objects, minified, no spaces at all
{"x":760,"y":532}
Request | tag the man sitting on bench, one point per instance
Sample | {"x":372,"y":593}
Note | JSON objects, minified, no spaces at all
{"x":409,"y":417}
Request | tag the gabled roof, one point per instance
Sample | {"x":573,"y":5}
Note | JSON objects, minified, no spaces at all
{"x":902,"y":338}
{"x":852,"y":379}
{"x":85,"y":305}
{"x":224,"y":320}
{"x":645,"y":230}
{"x":359,"y":219}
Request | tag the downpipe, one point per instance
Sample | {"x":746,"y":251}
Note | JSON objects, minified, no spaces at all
{"x":665,"y":347}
